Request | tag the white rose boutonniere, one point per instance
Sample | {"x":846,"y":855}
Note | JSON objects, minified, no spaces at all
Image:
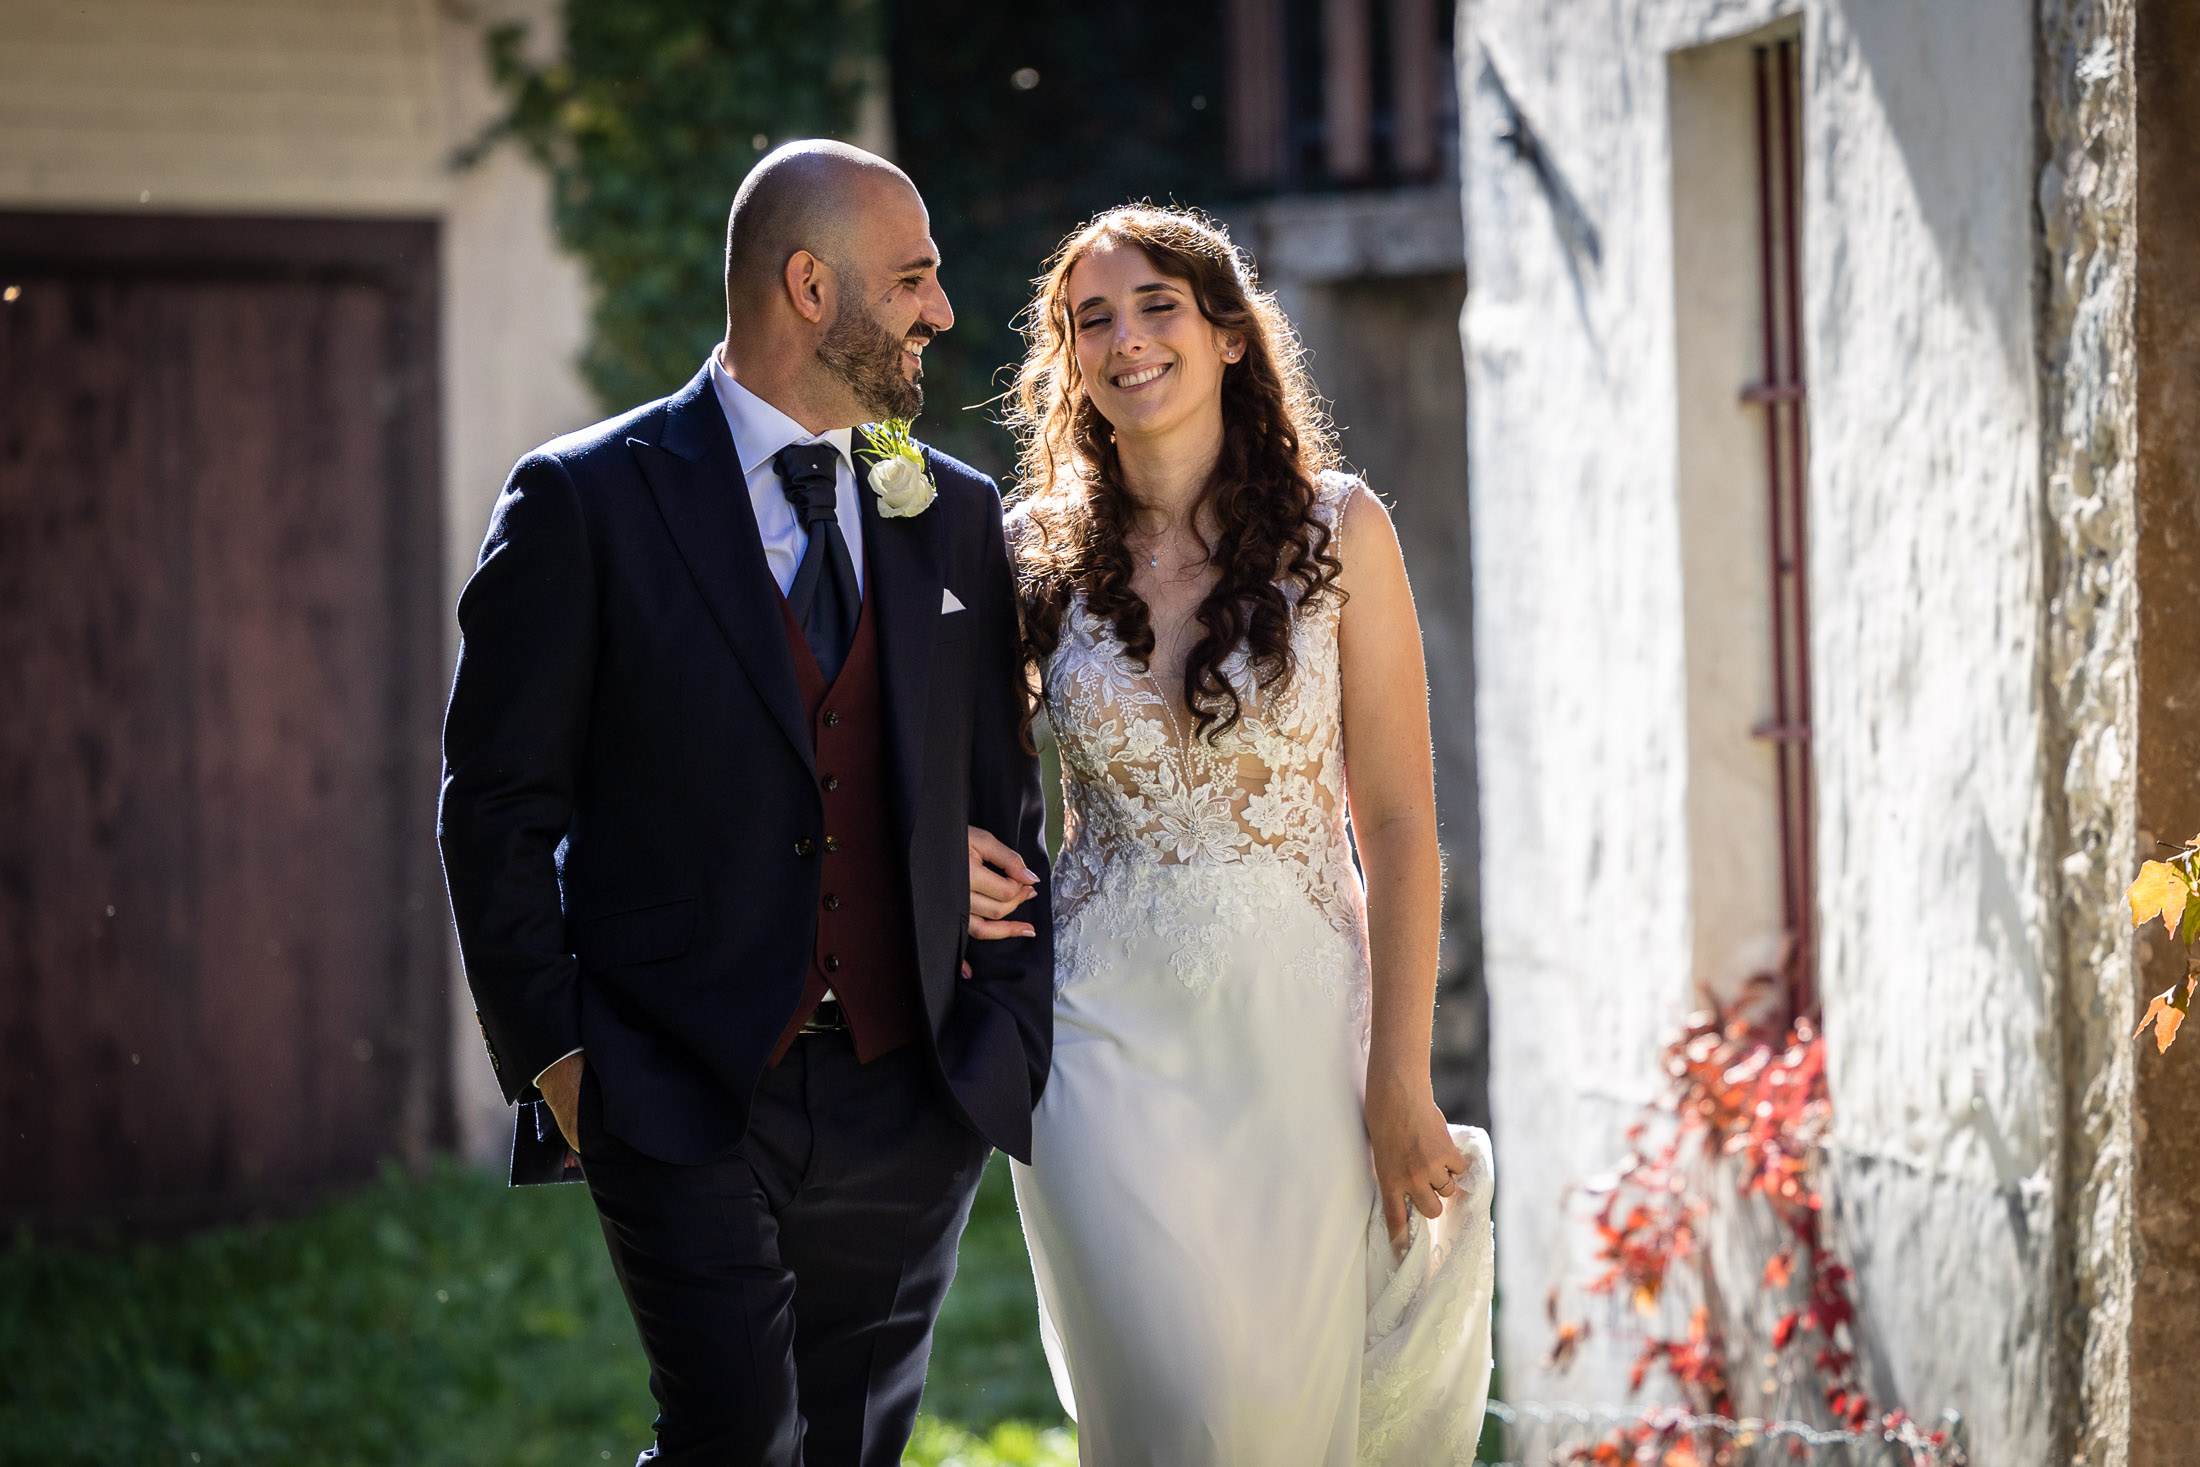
{"x":900,"y":478}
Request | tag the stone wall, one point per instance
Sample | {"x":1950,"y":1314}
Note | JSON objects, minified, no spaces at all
{"x":2088,"y":219}
{"x":1941,"y":857}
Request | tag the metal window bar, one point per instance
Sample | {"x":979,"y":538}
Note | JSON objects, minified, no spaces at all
{"x":1782,"y":393}
{"x":1552,"y":1435}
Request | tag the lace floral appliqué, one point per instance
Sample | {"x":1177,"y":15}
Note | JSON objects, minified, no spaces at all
{"x":1195,"y":840}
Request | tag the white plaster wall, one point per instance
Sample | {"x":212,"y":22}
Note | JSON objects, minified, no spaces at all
{"x":1580,"y":714}
{"x":1927,"y":575}
{"x":1927,"y":603}
{"x":338,"y":108}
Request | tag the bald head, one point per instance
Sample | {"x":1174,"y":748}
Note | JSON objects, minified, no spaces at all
{"x":810,"y":195}
{"x":832,"y":286}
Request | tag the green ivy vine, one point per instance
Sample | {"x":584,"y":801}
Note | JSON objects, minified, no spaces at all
{"x":647,"y":121}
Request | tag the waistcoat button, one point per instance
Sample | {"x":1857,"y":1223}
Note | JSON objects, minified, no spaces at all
{"x":832,"y":903}
{"x":832,"y":964}
{"x":832,"y":719}
{"x":831,"y":782}
{"x":832,"y":843}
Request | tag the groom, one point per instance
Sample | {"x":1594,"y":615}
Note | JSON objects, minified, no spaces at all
{"x":734,"y":681}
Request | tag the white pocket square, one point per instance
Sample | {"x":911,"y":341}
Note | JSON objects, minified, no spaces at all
{"x":948,"y":602}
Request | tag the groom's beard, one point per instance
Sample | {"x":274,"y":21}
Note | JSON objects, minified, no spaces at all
{"x":866,"y":359}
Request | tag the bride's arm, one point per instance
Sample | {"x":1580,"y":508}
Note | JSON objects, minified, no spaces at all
{"x":1390,"y":785}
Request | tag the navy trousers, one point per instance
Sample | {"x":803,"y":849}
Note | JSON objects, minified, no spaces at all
{"x":785,"y":1294}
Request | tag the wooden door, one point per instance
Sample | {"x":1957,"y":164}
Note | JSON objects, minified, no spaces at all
{"x":221,"y":956}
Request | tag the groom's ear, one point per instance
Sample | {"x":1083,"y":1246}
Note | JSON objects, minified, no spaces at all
{"x":808,"y":282}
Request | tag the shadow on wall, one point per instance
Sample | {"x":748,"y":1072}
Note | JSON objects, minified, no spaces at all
{"x":1902,"y":52}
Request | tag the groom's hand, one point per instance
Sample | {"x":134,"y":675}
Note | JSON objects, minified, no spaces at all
{"x":1000,"y":882}
{"x":561,"y":1086}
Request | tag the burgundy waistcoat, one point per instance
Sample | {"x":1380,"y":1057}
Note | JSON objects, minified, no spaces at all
{"x":866,"y":949}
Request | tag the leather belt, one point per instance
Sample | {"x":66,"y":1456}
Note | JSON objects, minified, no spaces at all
{"x":826,"y":1018}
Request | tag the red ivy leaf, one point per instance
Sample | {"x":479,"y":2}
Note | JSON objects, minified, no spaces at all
{"x":1570,"y":1336}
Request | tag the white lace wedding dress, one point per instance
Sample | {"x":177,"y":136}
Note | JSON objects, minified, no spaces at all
{"x":1216,"y":1284}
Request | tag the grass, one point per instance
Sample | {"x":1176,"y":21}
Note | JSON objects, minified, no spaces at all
{"x":441,"y":1321}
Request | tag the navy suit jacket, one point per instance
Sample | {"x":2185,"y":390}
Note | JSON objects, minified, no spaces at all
{"x":630,"y":821}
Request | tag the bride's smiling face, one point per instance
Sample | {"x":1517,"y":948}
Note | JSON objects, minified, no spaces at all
{"x":1150,"y":362}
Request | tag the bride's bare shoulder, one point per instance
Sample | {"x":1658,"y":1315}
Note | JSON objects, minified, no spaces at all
{"x":1358,"y":518}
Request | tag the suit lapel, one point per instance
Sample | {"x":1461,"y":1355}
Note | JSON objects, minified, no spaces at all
{"x":695,"y":475}
{"x":903,"y":570}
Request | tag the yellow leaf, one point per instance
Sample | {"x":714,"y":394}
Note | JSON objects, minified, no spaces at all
{"x":2160,"y":891}
{"x":2166,"y":1013}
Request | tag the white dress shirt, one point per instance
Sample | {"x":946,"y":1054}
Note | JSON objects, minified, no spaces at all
{"x":759,"y":432}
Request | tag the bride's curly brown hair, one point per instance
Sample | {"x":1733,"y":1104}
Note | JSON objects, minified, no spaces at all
{"x":1259,"y":499}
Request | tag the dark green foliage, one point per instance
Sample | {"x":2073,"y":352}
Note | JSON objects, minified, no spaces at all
{"x":650,"y":123}
{"x":445,"y":1321}
{"x":647,"y":125}
{"x":1009,"y":171}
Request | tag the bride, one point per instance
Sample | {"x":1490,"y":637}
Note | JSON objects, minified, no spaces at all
{"x":1238,"y":1154}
